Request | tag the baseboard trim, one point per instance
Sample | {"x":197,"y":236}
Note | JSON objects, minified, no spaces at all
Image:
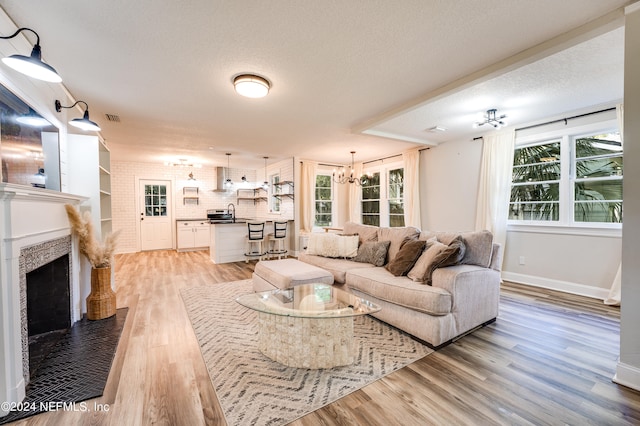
{"x":564,"y":286}
{"x":627,"y":375}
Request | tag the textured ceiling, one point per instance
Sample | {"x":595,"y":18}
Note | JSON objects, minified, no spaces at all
{"x":166,"y":67}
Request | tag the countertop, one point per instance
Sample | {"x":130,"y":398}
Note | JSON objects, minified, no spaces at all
{"x":238,"y":220}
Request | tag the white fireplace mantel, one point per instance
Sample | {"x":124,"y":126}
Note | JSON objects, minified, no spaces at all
{"x":28,"y":216}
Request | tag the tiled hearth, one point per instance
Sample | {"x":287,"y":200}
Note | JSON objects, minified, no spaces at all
{"x":34,"y":230}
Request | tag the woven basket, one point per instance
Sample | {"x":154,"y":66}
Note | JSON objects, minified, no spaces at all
{"x":101,"y":302}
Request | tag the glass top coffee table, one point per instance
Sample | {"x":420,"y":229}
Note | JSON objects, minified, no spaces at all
{"x":307,"y":326}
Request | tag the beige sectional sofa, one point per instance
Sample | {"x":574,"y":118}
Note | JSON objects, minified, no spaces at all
{"x":457,"y":299}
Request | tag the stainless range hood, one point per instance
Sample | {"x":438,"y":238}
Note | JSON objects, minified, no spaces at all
{"x":220,"y":178}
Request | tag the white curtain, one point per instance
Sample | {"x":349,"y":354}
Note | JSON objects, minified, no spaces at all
{"x":495,"y":184}
{"x":307,"y":195}
{"x":412,"y":188}
{"x":614,"y":296}
{"x":355,"y":196}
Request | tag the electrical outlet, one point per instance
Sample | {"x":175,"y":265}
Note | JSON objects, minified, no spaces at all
{"x":521,"y":261}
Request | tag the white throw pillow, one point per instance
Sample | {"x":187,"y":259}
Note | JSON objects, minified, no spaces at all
{"x":333,"y":245}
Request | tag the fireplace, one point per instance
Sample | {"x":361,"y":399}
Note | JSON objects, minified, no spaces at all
{"x":35,"y":232}
{"x":45,"y":297}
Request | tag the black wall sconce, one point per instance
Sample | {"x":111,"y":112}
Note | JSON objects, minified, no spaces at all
{"x":31,"y":65}
{"x":81,"y":123}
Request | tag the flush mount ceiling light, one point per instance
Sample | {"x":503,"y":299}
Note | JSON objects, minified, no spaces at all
{"x":31,"y":65}
{"x":491,"y":118}
{"x":251,"y":86}
{"x":81,"y":123}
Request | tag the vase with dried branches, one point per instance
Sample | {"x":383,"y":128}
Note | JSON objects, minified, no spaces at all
{"x":101,"y":302}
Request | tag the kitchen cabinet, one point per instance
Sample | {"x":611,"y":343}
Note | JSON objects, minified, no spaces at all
{"x":192,"y":234}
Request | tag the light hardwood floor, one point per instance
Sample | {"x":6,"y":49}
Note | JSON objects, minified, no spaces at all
{"x":548,"y":359}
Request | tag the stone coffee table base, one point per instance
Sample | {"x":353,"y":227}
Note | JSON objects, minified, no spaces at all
{"x":306,"y":342}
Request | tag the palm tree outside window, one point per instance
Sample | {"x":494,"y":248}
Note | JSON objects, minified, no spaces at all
{"x":586,"y":189}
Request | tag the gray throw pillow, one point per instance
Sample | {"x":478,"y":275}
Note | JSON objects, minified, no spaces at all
{"x":373,"y":252}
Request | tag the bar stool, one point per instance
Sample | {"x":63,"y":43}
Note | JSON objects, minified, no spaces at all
{"x":255,"y":241}
{"x":278,"y":240}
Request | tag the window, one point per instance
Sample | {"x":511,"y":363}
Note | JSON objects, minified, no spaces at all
{"x":276,"y":190}
{"x":324,"y":201}
{"x":155,"y":200}
{"x":574,"y":179}
{"x":396,"y":195}
{"x":384,"y":208}
{"x":597,"y":183}
{"x":535,"y":189}
{"x":371,"y":200}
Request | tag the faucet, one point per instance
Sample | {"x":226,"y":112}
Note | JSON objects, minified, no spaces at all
{"x":233,"y":215}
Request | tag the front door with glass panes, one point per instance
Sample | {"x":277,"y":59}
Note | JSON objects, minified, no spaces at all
{"x":155,"y":215}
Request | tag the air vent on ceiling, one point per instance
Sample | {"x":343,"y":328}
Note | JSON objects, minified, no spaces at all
{"x":113,"y":117}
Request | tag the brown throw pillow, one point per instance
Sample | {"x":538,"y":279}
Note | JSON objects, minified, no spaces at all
{"x":427,"y":262}
{"x":437,"y":255}
{"x":374,"y":252}
{"x":410,"y":251}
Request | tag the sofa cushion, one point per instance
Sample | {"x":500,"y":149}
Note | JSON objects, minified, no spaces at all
{"x":373,"y":252}
{"x":333,"y":245}
{"x":365,"y":232}
{"x":409,"y":252}
{"x":478,"y":246}
{"x":397,"y":237}
{"x":380,"y":283}
{"x":338,"y":267}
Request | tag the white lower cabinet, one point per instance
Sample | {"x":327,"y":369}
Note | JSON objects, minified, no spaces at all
{"x":192,"y":234}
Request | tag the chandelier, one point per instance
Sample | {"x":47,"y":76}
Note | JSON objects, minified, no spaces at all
{"x":491,"y":118}
{"x":342,"y":177}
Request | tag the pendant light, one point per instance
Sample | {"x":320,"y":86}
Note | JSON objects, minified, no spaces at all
{"x":228,"y":183}
{"x":31,"y":65}
{"x":265,"y":184}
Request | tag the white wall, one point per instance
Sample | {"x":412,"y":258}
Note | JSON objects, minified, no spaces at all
{"x":449,"y":175}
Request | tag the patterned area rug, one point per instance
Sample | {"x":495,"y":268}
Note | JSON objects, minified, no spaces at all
{"x":254,"y":390}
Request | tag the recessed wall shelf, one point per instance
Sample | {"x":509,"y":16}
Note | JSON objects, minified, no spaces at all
{"x":190,"y":195}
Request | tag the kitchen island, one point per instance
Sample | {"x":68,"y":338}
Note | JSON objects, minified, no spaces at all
{"x":228,"y":240}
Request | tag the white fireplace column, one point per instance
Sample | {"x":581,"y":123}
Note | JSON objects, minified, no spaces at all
{"x":27,"y":217}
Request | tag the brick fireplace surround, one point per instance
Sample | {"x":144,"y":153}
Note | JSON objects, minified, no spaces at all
{"x":34,"y":230}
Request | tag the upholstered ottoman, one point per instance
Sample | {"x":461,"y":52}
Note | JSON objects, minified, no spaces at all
{"x":287,"y":273}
